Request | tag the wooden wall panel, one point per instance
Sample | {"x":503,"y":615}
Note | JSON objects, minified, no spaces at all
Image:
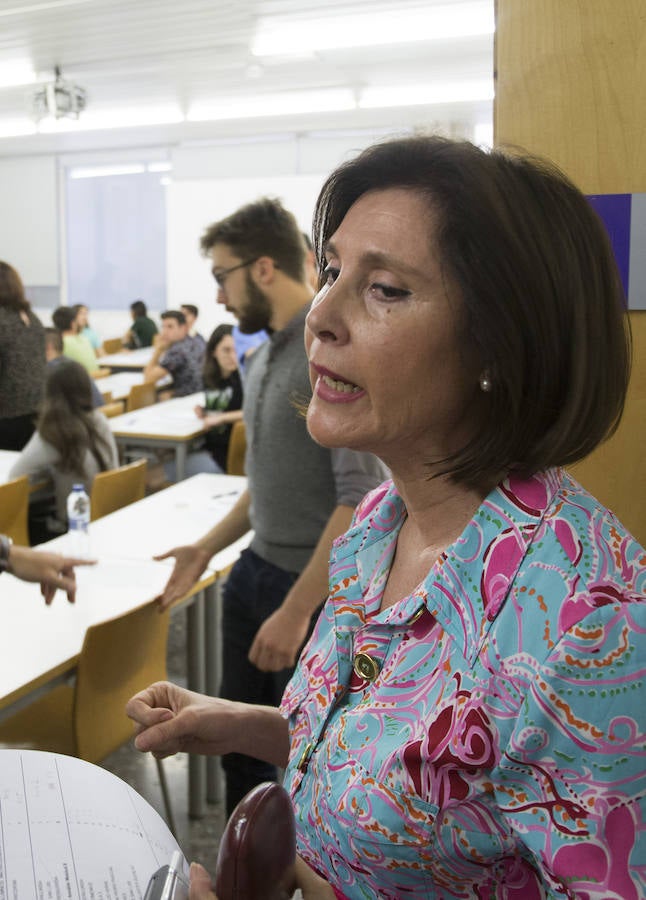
{"x":571,"y":85}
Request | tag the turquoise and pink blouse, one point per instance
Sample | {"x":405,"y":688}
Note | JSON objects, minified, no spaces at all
{"x":484,"y":737}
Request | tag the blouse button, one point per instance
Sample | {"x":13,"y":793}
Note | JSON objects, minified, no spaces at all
{"x":366,"y":667}
{"x":420,"y":612}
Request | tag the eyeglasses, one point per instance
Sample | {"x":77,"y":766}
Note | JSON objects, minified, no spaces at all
{"x":221,"y":277}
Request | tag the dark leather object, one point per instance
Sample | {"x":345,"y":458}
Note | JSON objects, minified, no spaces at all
{"x":258,"y":847}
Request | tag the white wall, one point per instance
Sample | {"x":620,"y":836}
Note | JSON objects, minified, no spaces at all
{"x":195,"y":204}
{"x":29,"y":220}
{"x":209,"y":180}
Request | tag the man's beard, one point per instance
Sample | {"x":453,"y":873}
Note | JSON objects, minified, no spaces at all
{"x":256,"y":313}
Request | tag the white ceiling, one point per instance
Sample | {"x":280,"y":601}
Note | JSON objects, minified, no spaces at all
{"x":151,"y":53}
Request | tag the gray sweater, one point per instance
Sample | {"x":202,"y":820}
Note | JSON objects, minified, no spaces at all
{"x":40,"y":458}
{"x":294,"y":483}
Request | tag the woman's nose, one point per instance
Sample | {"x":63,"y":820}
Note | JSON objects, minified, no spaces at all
{"x":326,"y":318}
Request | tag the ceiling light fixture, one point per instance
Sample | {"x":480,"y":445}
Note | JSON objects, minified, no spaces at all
{"x":288,"y":35}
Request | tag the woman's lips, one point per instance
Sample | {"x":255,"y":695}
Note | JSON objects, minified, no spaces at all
{"x":333,"y":388}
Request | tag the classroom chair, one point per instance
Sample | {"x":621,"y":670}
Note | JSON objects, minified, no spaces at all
{"x":141,"y":395}
{"x":107,"y":397}
{"x":14,"y":510}
{"x":112,"y":345}
{"x":237,"y":450}
{"x":87,"y":718}
{"x":114,"y":408}
{"x":117,"y":487}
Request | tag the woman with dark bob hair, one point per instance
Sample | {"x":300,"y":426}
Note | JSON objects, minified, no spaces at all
{"x":467,"y":719}
{"x":222,"y":393}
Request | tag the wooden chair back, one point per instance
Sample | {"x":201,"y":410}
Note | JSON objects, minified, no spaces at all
{"x":112,"y":345}
{"x":87,"y":719}
{"x":118,"y":487}
{"x":114,"y":408}
{"x":119,"y":658}
{"x":237,"y":450}
{"x":141,"y":395}
{"x":14,"y":510}
{"x":107,"y":397}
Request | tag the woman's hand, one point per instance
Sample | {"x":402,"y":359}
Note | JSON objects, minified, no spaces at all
{"x":52,"y":570}
{"x":312,"y":886}
{"x":212,"y":419}
{"x":170,"y":719}
{"x":201,"y":884}
{"x":199,"y":411}
{"x":190,"y":562}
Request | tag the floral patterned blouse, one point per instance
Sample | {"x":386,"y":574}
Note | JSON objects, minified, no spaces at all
{"x":484,"y":737}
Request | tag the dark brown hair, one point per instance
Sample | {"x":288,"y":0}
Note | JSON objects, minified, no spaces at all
{"x":66,"y":419}
{"x":12,"y":292}
{"x":539,"y":288}
{"x":211,"y":373}
{"x":176,"y":314}
{"x":262,"y":228}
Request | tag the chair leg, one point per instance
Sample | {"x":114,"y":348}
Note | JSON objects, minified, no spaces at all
{"x":165,"y":794}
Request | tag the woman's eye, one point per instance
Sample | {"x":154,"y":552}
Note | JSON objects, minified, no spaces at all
{"x":387,"y":292}
{"x":330,"y":274}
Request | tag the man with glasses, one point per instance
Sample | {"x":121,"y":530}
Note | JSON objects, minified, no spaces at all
{"x":300,"y":496}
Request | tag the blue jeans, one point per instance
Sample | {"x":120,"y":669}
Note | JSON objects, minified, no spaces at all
{"x":253,"y":591}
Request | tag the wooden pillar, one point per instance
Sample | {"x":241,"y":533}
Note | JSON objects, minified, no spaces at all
{"x":571,"y":86}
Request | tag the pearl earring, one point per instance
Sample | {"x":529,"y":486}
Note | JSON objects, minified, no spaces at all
{"x":485,"y":382}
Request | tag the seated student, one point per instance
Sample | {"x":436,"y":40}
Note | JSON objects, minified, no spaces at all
{"x":176,"y":354}
{"x":83,"y":326}
{"x":222,"y":393}
{"x":75,"y":346}
{"x":54,"y":357}
{"x":72,"y":441}
{"x":143,"y":329}
{"x":191,"y":313}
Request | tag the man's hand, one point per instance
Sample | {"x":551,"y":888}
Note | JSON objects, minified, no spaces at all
{"x":170,"y":719}
{"x":52,"y":570}
{"x":278,"y":640}
{"x":190,"y":562}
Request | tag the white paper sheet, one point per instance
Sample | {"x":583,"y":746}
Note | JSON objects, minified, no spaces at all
{"x":72,"y":831}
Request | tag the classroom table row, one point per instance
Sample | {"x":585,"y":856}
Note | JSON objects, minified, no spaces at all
{"x":40,"y":645}
{"x":172,"y":425}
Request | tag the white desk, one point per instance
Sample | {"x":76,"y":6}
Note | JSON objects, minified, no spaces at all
{"x":119,"y":383}
{"x":7,"y":459}
{"x":127,"y":359}
{"x":39,"y":645}
{"x":172,"y":424}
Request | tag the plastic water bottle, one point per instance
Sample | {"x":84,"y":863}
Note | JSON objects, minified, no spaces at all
{"x":78,"y":522}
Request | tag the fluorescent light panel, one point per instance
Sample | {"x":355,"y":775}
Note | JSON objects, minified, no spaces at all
{"x":17,"y":72}
{"x":106,"y":171}
{"x":117,"y":118}
{"x":288,"y":103}
{"x":286,"y":35}
{"x":426,"y":94}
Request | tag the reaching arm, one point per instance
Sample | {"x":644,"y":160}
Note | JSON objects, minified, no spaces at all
{"x":52,"y":570}
{"x":282,"y":634}
{"x":192,"y":560}
{"x":169,"y":719}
